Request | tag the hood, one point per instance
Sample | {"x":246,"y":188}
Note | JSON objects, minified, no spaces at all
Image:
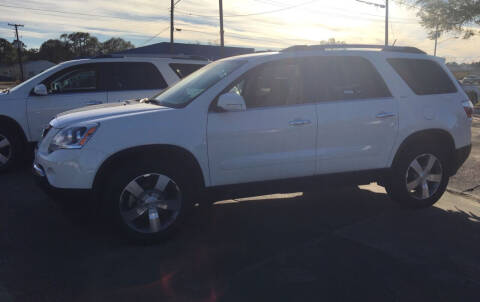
{"x":102,"y":111}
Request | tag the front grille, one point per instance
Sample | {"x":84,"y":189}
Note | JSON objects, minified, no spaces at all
{"x":45,"y":130}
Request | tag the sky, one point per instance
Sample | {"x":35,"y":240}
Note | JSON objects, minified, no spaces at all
{"x":263,"y":24}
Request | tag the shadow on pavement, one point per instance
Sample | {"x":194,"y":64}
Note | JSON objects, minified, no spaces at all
{"x":339,"y":245}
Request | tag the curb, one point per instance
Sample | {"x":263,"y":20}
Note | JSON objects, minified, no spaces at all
{"x":465,"y":194}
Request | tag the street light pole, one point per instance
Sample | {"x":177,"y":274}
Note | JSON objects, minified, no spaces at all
{"x":436,"y":38}
{"x":172,"y":5}
{"x":220,"y":6}
{"x":386,"y":22}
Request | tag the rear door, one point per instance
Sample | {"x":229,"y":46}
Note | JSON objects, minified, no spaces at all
{"x":357,"y":115}
{"x":273,"y":138}
{"x":131,"y":80}
{"x":77,"y":86}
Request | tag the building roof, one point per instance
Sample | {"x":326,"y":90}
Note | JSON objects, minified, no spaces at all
{"x":211,"y":52}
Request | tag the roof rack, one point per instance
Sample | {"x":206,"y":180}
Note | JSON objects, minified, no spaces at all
{"x":407,"y":49}
{"x":107,"y":56}
{"x":170,"y":56}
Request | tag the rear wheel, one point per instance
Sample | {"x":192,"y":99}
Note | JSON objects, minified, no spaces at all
{"x":419,"y":177}
{"x":148,"y":202}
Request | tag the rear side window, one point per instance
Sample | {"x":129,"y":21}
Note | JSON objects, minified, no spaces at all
{"x":423,"y":76}
{"x":332,"y":78}
{"x":135,"y":76}
{"x":183,"y":70}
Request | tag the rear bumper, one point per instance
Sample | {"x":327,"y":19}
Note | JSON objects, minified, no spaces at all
{"x":459,"y":157}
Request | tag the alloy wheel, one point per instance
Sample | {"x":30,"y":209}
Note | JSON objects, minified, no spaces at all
{"x":150,"y":203}
{"x":424,"y":176}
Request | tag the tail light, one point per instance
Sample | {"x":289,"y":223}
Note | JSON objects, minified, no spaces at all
{"x":468,"y":107}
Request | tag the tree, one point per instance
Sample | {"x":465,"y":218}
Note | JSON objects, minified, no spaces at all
{"x":441,"y":16}
{"x":331,"y":41}
{"x":81,"y":44}
{"x":55,"y":51}
{"x":8,"y":54}
{"x":115,"y":45}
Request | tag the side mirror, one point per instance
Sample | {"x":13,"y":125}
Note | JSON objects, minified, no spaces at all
{"x":231,"y":102}
{"x":40,"y":89}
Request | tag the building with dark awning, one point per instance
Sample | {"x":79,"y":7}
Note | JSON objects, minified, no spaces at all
{"x":211,"y":52}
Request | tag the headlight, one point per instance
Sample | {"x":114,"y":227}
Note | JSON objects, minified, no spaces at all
{"x":73,"y":137}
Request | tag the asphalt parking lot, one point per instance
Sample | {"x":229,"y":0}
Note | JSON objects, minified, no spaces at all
{"x":350,"y":244}
{"x":346,"y":244}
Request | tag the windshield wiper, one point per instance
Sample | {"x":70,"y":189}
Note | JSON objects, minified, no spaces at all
{"x":6,"y":90}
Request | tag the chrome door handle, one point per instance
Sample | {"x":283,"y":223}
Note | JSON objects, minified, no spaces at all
{"x":93,"y":102}
{"x":385,"y":114}
{"x":299,"y":122}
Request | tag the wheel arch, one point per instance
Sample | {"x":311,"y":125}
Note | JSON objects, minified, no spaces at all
{"x":172,"y":152}
{"x":429,"y":136}
{"x":8,"y":121}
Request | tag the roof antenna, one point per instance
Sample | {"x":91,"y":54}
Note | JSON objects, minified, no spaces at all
{"x":394,"y":42}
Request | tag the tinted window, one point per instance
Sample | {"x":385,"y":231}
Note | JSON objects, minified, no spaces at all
{"x":276,"y":83}
{"x":81,"y":78}
{"x":135,"y":76}
{"x":330,"y":78}
{"x":183,"y":70}
{"x":423,"y":76}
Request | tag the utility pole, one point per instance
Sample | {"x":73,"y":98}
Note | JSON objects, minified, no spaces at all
{"x":19,"y":46}
{"x":436,"y":38}
{"x":220,"y":5}
{"x":172,"y":5}
{"x":385,"y":6}
{"x":386,"y":22}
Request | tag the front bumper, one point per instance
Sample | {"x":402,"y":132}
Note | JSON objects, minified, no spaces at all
{"x":459,"y":158}
{"x":42,"y":181}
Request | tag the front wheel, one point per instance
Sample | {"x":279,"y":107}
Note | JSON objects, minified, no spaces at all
{"x":149,"y":203}
{"x":419,"y":177}
{"x":10,"y":148}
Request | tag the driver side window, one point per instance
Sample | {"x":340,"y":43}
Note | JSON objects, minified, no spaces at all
{"x":82,"y":79}
{"x":277,"y":83}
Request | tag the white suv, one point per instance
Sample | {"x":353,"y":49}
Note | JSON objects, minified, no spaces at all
{"x":263,"y":123}
{"x":27,"y":108}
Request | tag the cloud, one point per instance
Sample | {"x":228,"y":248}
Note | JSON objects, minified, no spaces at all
{"x":139,"y":20}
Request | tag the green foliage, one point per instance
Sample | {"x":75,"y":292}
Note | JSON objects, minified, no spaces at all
{"x":115,"y":45}
{"x":448,"y":16}
{"x":67,"y":47}
{"x":331,"y":41}
{"x":8,"y":54}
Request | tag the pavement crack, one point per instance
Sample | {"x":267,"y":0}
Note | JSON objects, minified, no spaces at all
{"x":471,"y":189}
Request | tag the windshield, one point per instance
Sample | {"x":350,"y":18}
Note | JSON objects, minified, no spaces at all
{"x":185,"y":91}
{"x":33,"y":78}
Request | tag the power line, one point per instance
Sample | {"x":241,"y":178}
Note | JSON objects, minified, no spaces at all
{"x":69,"y":13}
{"x":254,"y":14}
{"x":156,"y":35}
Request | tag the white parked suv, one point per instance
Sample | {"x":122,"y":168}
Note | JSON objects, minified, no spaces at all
{"x":263,"y":123}
{"x":27,"y":108}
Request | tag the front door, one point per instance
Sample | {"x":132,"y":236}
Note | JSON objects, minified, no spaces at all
{"x":71,"y":88}
{"x":274,"y":138}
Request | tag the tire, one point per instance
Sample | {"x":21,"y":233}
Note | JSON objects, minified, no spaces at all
{"x":148,"y":201}
{"x":11,"y":147}
{"x":418,"y":186}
